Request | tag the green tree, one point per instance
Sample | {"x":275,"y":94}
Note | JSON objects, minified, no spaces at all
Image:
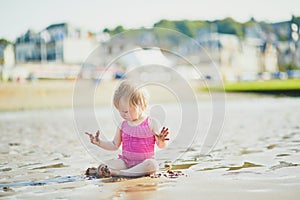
{"x":118,"y":29}
{"x":185,"y":28}
{"x":165,"y":24}
{"x":4,"y":42}
{"x":230,"y":26}
{"x":106,"y":30}
{"x":251,"y":23}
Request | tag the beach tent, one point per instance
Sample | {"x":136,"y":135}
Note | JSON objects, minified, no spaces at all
{"x":141,"y":57}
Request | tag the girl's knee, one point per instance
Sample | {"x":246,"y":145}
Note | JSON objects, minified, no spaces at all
{"x":151,"y":164}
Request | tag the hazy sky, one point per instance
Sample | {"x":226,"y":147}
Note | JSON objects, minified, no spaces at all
{"x":17,"y":16}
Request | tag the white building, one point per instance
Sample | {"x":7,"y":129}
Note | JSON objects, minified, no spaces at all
{"x":241,"y":59}
{"x":9,"y":56}
{"x":60,"y":43}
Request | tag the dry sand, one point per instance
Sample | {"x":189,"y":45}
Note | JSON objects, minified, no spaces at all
{"x":256,"y":157}
{"x":51,"y":94}
{"x":35,"y":95}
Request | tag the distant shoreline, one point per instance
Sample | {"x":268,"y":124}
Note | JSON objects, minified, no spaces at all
{"x":41,"y":94}
{"x":289,"y":87}
{"x":288,"y":93}
{"x":58,"y":94}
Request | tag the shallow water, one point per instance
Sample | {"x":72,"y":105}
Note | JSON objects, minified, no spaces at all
{"x":41,"y":155}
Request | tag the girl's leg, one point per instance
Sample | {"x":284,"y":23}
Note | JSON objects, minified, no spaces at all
{"x":115,"y":166}
{"x":112,"y":167}
{"x":147,"y":167}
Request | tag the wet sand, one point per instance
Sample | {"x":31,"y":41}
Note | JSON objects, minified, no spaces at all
{"x":256,"y":157}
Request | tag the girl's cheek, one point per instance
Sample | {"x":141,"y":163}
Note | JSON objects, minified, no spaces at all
{"x":132,"y":114}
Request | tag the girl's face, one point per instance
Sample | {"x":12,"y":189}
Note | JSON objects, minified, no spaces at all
{"x":127,"y":112}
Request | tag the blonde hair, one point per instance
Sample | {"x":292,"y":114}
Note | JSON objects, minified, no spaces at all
{"x":136,"y":96}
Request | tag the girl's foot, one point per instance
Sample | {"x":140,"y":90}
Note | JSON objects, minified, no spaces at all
{"x":91,"y":171}
{"x":103,"y":171}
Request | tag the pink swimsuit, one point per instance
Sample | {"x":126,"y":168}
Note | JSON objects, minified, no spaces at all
{"x":137,"y":143}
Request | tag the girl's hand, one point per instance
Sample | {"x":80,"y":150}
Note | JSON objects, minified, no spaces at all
{"x":94,"y":139}
{"x":163,"y":134}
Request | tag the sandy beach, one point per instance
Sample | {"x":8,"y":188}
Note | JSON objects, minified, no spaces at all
{"x":42,"y":94}
{"x":42,"y":155}
{"x":51,"y":94}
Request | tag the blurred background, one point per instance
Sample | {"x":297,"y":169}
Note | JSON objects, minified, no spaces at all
{"x":247,"y":41}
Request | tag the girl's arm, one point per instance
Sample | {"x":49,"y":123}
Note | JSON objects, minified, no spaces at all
{"x":160,"y":136}
{"x":107,"y":145}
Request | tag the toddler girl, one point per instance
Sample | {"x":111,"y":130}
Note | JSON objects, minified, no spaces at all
{"x":138,"y":134}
